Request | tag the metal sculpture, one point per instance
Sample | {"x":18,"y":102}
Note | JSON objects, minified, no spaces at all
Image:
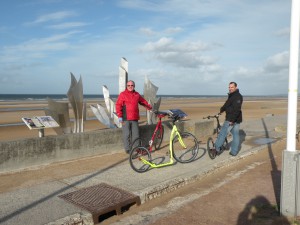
{"x":111,"y":106}
{"x":102,"y":116}
{"x":75,"y":96}
{"x":123,"y":74}
{"x":60,"y":113}
{"x":109,"y":117}
{"x":150,"y":91}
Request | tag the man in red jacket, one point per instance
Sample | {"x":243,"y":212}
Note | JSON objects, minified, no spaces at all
{"x":127,"y":107}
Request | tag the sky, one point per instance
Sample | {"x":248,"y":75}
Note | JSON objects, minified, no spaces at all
{"x":192,"y":47}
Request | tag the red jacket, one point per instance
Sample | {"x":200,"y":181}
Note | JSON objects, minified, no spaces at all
{"x":127,"y":105}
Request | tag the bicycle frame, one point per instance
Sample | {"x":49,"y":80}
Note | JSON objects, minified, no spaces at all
{"x":211,"y":142}
{"x":158,"y":126}
{"x":174,"y":132}
{"x":218,"y":128}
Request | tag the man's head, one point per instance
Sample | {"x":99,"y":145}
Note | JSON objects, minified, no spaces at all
{"x":232,"y":87}
{"x":130,"y":85}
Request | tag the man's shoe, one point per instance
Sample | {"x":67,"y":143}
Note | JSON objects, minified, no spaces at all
{"x":232,"y":154}
{"x":214,"y":152}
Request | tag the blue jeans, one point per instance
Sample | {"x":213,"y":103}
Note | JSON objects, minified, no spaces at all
{"x":234,"y":129}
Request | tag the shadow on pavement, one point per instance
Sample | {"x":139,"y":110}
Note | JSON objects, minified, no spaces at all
{"x":259,"y":211}
{"x":275,"y":173}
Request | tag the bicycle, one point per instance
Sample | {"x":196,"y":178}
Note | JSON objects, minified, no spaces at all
{"x":183,"y":146}
{"x":157,"y":136}
{"x":210,"y":141}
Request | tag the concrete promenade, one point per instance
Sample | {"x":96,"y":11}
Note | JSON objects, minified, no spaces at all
{"x":37,"y":202}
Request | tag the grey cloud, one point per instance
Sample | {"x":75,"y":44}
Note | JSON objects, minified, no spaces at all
{"x":185,"y":54}
{"x":277,"y":62}
{"x":189,"y":60}
{"x":173,"y":30}
{"x":169,"y":45}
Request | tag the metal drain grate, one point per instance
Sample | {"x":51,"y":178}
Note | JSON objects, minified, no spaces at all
{"x":101,"y":199}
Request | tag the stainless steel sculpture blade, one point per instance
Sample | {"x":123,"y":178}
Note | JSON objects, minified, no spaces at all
{"x":114,"y":115}
{"x":60,"y":113}
{"x":75,"y":96}
{"x":150,"y":91}
{"x":101,"y":115}
{"x":71,"y":97}
{"x":106,"y":99}
{"x":123,"y":75}
{"x":151,"y":118}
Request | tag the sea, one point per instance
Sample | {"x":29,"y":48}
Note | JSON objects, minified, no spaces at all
{"x":57,"y":97}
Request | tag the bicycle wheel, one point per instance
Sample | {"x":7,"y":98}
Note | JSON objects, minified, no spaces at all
{"x":158,"y":138}
{"x":210,"y":146}
{"x":135,"y":159}
{"x":187,"y":153}
{"x":137,"y":142}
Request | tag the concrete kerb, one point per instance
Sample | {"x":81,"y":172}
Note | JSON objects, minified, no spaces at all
{"x":74,"y":219}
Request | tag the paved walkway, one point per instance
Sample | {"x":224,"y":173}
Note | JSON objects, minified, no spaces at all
{"x":31,"y":197}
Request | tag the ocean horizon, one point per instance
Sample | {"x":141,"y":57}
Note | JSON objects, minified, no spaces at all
{"x":64,"y":97}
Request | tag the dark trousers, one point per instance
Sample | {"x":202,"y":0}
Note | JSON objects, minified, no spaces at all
{"x":130,"y":133}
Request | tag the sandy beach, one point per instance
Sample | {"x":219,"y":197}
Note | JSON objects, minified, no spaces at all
{"x":196,"y":108}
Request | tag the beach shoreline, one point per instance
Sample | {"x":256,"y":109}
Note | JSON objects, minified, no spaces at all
{"x":11,"y":112}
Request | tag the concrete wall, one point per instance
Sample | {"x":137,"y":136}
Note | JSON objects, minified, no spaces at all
{"x":33,"y":152}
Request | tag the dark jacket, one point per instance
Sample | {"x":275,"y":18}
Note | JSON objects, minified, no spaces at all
{"x":127,"y":105}
{"x":233,"y":107}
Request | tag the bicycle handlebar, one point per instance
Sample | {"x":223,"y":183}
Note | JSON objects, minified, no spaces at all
{"x":214,"y":116}
{"x":159,"y":112}
{"x":162,"y":114}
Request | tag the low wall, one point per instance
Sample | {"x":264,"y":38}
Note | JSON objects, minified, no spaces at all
{"x":33,"y":152}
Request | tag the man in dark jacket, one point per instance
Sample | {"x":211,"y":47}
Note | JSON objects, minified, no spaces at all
{"x":127,"y":109}
{"x":233,"y":109}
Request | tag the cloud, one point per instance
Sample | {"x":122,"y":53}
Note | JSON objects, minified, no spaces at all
{"x":56,"y":16}
{"x":283,"y":32}
{"x":69,"y":25}
{"x":169,"y":45}
{"x":184,"y":54}
{"x":147,"y":31}
{"x":277,"y":63}
{"x":173,"y":30}
{"x":169,"y":31}
{"x":37,"y":48}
